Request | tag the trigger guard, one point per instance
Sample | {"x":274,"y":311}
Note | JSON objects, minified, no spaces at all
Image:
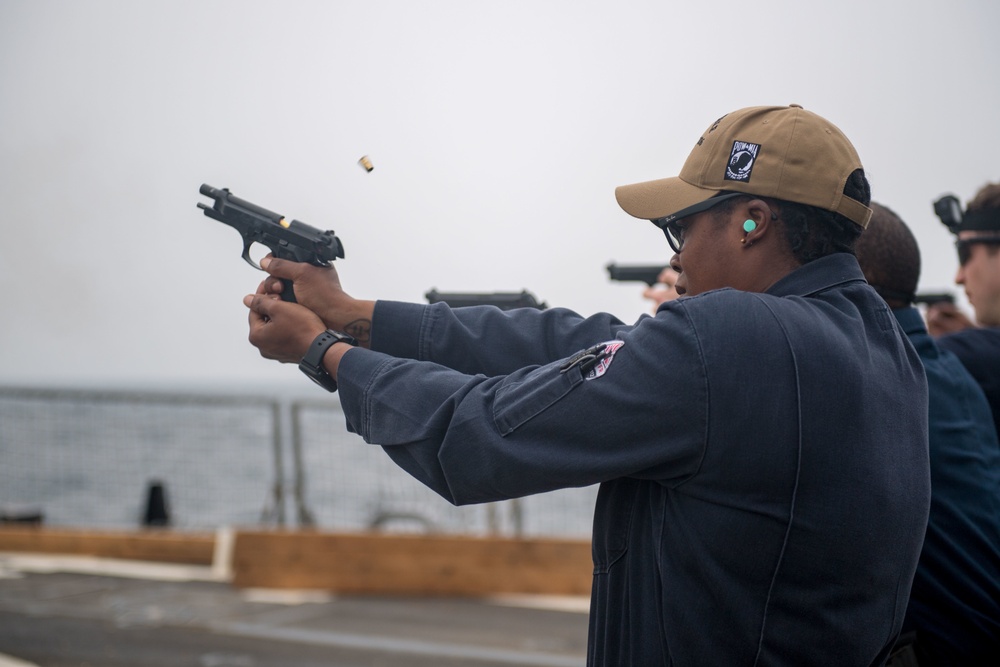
{"x":247,"y":258}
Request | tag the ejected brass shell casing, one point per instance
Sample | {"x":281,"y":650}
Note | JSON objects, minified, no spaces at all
{"x":366,"y":163}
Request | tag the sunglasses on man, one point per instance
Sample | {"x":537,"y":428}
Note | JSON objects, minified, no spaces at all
{"x":964,"y":247}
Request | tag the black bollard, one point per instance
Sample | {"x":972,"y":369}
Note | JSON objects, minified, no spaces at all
{"x":157,"y":513}
{"x":33,"y":516}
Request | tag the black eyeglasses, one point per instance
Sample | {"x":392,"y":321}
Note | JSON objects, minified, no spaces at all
{"x":964,"y":247}
{"x":674,"y":231}
{"x":673,"y":228}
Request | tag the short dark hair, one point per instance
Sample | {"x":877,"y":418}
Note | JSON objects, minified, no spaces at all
{"x":889,"y":256}
{"x":987,"y":197}
{"x":814,"y":232}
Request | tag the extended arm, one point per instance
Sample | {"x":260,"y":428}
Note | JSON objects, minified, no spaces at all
{"x":482,"y":339}
{"x":473,"y":438}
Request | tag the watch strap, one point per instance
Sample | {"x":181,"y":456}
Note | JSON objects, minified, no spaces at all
{"x":312,"y":362}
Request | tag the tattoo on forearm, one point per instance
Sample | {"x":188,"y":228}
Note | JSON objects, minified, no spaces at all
{"x":360,"y":330}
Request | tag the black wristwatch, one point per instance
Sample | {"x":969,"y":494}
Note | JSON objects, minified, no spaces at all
{"x":312,"y":363}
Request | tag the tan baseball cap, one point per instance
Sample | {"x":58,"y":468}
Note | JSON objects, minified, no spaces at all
{"x":786,"y":153}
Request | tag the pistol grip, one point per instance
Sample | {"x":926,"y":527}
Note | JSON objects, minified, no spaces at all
{"x":287,"y":293}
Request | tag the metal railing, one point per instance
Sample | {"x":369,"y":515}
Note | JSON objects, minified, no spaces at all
{"x":90,"y":457}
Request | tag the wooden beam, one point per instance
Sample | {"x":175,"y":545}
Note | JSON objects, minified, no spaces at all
{"x":342,"y":562}
{"x":149,"y":545}
{"x":411,"y":565}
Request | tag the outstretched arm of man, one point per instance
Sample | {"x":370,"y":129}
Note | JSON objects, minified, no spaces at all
{"x":664,"y":290}
{"x":944,"y":318}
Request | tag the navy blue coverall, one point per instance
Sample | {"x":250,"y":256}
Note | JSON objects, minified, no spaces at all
{"x":978,"y":349}
{"x":955,"y":600}
{"x":762,"y":458}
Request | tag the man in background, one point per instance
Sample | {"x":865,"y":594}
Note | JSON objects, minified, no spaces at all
{"x":664,"y":289}
{"x":977,"y":239}
{"x":953,"y":616}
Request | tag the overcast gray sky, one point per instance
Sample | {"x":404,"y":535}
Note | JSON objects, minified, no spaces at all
{"x":498,"y":132}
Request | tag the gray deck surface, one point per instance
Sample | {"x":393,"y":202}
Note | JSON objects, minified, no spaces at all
{"x":64,"y":612}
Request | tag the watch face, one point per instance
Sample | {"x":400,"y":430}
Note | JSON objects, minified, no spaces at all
{"x":320,"y":377}
{"x":344,"y":338}
{"x":328,"y":383}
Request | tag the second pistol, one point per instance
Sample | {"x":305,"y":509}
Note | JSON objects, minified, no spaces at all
{"x":647,"y":273}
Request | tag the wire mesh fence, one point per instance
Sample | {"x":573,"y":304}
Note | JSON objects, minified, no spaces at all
{"x":100,"y":459}
{"x":89,"y":458}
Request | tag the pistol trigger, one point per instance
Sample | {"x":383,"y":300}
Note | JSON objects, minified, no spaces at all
{"x":246,"y":255}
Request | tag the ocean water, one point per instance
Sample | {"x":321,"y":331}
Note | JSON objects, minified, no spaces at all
{"x":89,"y":459}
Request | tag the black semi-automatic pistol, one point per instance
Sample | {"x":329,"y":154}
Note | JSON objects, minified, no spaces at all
{"x":931,"y":298}
{"x":502,"y":300}
{"x":286,"y":239}
{"x":646,"y":273}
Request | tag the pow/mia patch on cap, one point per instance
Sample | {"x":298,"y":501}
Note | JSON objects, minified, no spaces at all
{"x":741,"y":161}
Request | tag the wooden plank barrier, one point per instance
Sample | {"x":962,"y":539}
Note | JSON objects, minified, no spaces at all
{"x":411,"y":565}
{"x":160,"y":546}
{"x":366,"y":563}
